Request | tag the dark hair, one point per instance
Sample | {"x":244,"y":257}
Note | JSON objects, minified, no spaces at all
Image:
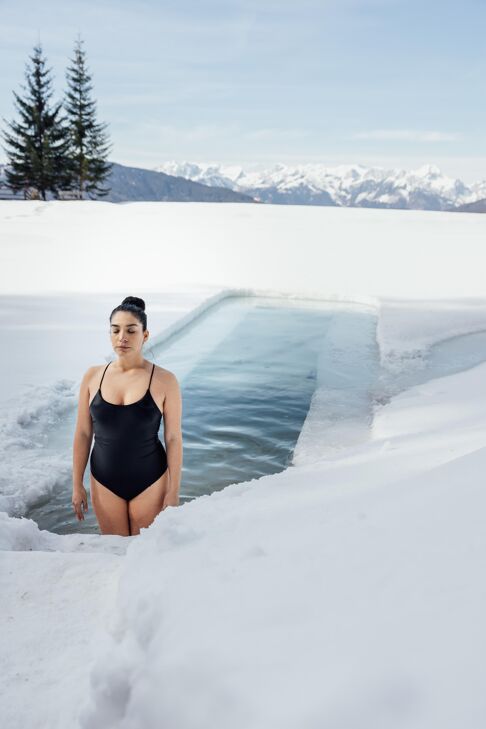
{"x":135,"y":306}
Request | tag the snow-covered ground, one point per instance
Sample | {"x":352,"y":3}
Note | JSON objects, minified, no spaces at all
{"x":345,"y":593}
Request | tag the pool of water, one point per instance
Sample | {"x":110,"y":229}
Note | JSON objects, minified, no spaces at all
{"x":267,"y":384}
{"x":248,"y":369}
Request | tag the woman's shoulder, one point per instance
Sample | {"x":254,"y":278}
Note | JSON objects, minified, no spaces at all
{"x":91,"y":379}
{"x":97,"y":368}
{"x":163,"y":370}
{"x":165,"y":375}
{"x":93,"y":371}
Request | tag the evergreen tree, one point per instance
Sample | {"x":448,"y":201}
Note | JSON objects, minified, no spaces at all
{"x":37,"y":144}
{"x":89,"y":140}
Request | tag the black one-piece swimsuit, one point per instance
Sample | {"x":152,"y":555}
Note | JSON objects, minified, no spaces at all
{"x":127,"y":455}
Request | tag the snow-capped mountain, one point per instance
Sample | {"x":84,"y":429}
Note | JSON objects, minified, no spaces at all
{"x":425,"y":188}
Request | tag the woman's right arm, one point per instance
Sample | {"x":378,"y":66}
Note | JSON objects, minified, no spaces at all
{"x":83,"y":437}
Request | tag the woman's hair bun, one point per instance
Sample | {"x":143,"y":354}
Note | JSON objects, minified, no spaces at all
{"x":134,"y":301}
{"x":135,"y":306}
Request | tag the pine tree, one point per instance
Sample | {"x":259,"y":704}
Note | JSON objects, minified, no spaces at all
{"x":38,"y":143}
{"x":89,"y":140}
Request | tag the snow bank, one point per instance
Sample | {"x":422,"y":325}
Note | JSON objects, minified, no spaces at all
{"x":345,"y":594}
{"x":21,"y":534}
{"x":56,"y":610}
{"x":29,"y":468}
{"x":407,"y":328}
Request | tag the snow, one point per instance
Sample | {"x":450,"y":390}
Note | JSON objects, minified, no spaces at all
{"x":346,"y":591}
{"x":330,"y":252}
{"x":407,"y":328}
{"x":56,"y":608}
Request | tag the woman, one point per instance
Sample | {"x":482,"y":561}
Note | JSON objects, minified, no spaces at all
{"x":132,"y":478}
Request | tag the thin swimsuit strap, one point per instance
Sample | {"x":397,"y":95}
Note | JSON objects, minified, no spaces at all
{"x":109,"y":363}
{"x":150,"y":382}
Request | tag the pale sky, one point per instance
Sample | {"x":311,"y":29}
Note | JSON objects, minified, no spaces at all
{"x":392,"y":83}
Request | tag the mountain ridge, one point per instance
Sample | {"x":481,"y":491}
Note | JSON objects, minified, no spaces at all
{"x":352,"y":185}
{"x":356,"y":185}
{"x":133,"y":184}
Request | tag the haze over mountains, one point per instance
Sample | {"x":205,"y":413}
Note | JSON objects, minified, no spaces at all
{"x":425,"y":188}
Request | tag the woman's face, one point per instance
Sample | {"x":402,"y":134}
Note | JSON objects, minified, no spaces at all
{"x":127,"y":335}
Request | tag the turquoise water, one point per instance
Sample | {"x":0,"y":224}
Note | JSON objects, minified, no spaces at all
{"x":245,"y":402}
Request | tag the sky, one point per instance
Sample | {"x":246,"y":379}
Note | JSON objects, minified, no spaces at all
{"x":388,"y":83}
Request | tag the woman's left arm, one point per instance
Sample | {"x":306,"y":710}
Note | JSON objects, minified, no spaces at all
{"x":173,"y":439}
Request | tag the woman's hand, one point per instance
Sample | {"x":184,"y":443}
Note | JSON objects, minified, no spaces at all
{"x":171,"y":498}
{"x":79,"y":501}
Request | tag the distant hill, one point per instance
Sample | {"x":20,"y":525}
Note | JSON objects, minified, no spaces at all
{"x":478,"y":206}
{"x":131,"y":184}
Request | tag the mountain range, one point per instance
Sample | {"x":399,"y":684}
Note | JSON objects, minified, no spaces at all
{"x":425,"y":188}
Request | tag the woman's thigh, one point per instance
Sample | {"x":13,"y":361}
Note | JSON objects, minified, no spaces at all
{"x":143,"y":509}
{"x":111,"y":510}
